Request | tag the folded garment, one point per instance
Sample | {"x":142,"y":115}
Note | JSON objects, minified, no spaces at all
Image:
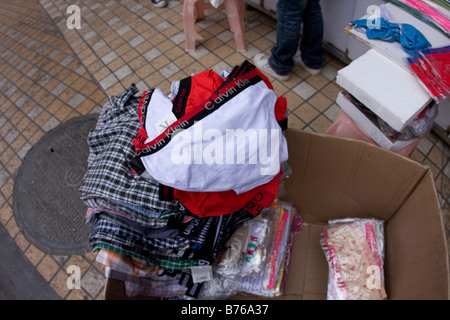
{"x":434,"y":15}
{"x":207,"y":204}
{"x":205,"y":149}
{"x":141,"y":217}
{"x":132,"y":266}
{"x":163,"y":286}
{"x":158,"y":258}
{"x":354,"y":250}
{"x":108,"y":173}
{"x":198,"y":239}
{"x":409,"y":37}
{"x":211,"y":238}
{"x":432,"y":68}
{"x":140,"y":277}
{"x":167,"y":228}
{"x":190,"y":92}
{"x":107,"y":229}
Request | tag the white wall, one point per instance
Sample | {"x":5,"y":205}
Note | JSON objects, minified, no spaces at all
{"x":336,"y":15}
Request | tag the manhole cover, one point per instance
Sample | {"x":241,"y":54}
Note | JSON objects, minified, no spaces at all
{"x":47,"y":203}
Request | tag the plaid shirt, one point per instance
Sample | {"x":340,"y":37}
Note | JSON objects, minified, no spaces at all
{"x":186,"y":249}
{"x":111,"y":230}
{"x":143,"y":216}
{"x":111,"y":148}
{"x":159,"y":259}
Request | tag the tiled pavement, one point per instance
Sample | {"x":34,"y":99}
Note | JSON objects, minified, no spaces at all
{"x":50,"y":73}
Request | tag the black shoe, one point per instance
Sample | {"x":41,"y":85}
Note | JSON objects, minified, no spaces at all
{"x":159,"y":3}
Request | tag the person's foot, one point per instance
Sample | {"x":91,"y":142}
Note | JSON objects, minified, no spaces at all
{"x":262,"y":63}
{"x":159,"y":3}
{"x":298,"y":60}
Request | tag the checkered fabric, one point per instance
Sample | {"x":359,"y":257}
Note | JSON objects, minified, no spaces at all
{"x":108,"y":174}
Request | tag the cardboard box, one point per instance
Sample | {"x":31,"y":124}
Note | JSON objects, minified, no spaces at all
{"x":334,"y":177}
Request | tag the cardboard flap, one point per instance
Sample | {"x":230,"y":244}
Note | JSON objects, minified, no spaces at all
{"x":417,"y":264}
{"x":334,"y":177}
{"x":308,"y":274}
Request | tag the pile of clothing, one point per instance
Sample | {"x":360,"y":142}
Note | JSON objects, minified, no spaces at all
{"x":171,"y":178}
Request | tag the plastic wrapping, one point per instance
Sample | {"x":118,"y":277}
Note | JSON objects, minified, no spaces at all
{"x":416,"y":129}
{"x":219,"y":287}
{"x":230,"y":260}
{"x":279,"y":245}
{"x":256,"y":247}
{"x":243,"y":254}
{"x":257,"y":256}
{"x":354,"y":249}
{"x":432,"y":69}
{"x":270,"y":280}
{"x":422,"y":10}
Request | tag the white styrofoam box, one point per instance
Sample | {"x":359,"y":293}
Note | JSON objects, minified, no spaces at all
{"x":368,"y":126}
{"x":385,"y":87}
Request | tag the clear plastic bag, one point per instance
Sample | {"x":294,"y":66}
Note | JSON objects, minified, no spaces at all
{"x":257,"y":256}
{"x":271,"y":278}
{"x":354,"y":249}
{"x":256,"y":247}
{"x":417,"y":128}
{"x":218,"y":288}
{"x":424,"y":11}
{"x":229,"y":262}
{"x":432,"y":68}
{"x":282,"y":235}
